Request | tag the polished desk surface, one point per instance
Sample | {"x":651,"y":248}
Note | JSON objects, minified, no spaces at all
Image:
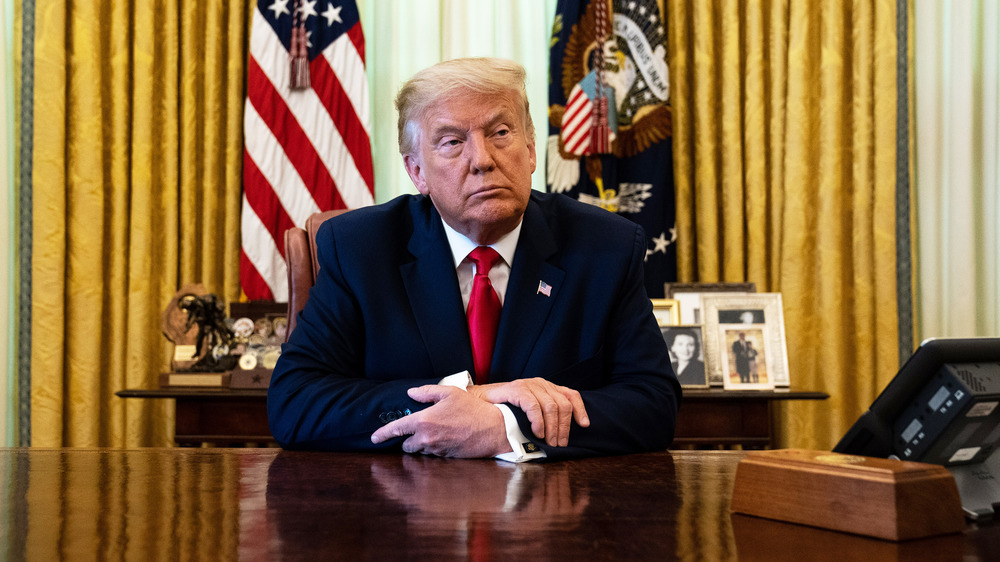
{"x":268,"y":504}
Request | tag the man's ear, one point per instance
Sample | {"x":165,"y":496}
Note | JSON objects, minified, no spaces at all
{"x":531,"y":151}
{"x":415,"y":171}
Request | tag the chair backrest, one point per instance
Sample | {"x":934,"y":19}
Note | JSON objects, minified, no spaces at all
{"x":303,"y":265}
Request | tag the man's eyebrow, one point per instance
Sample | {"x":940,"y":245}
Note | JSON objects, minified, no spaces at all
{"x":445,"y":130}
{"x":498,"y":116}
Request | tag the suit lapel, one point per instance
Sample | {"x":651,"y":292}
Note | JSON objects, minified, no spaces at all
{"x":526,"y":308}
{"x":433,"y":293}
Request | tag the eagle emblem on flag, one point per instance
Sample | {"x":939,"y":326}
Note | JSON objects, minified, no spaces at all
{"x":610,"y":142}
{"x":636,"y":82}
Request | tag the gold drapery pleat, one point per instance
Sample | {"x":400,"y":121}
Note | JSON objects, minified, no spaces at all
{"x":137,"y":156}
{"x":785,"y":163}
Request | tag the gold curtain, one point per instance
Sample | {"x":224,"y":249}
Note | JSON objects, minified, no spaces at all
{"x":785,"y":162}
{"x":136,"y":181}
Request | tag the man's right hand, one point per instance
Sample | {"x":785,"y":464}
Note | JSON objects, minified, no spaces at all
{"x":456,"y":425}
{"x":550,"y":408}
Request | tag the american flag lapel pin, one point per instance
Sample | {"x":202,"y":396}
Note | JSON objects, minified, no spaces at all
{"x":544,"y":288}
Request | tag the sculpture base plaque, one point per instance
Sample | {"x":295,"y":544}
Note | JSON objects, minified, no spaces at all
{"x":256,"y":378}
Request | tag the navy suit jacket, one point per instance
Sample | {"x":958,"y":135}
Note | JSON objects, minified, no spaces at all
{"x":386,"y":315}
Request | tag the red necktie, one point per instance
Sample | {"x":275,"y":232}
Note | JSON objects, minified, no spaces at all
{"x":483,"y":312}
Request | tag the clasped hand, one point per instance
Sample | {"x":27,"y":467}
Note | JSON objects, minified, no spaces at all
{"x":467,"y":424}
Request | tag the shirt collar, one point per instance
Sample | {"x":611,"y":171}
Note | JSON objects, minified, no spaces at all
{"x":461,"y":245}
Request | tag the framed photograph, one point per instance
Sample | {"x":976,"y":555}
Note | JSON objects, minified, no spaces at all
{"x":671,"y":289}
{"x":688,"y":295}
{"x":744,"y":359}
{"x":666,"y":312}
{"x":687,"y":354}
{"x":741,"y":328}
{"x":690,"y":307}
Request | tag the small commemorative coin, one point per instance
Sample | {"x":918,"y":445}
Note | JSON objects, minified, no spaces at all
{"x":220,"y":351}
{"x":248,"y":361}
{"x":270,"y":358}
{"x":280,"y":325}
{"x":243,"y":327}
{"x":263,"y":327}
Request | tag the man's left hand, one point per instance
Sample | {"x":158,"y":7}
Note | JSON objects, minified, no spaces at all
{"x":550,"y":407}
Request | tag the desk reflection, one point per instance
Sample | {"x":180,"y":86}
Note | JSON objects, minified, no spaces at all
{"x":432,"y":488}
{"x":418,"y":506}
{"x":776,"y":541}
{"x":100,"y":504}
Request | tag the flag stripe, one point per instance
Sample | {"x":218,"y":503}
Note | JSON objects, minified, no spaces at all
{"x":357,"y":36}
{"x":348,"y":66}
{"x":262,"y":251}
{"x":303,"y":154}
{"x":265,"y":203}
{"x":576,"y":122}
{"x":276,"y":170}
{"x":252,"y":282}
{"x":336,"y":102}
{"x":347,"y":101}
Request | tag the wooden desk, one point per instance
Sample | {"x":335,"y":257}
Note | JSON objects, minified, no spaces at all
{"x":268,"y":504}
{"x":710,"y":417}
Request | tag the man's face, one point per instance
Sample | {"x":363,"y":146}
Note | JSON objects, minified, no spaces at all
{"x":475,"y":159}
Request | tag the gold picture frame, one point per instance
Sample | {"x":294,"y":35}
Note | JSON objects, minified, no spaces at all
{"x":666,"y":311}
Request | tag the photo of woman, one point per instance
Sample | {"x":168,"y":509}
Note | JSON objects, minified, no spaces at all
{"x":684,"y":344}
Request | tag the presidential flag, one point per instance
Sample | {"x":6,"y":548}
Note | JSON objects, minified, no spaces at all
{"x":609,"y":119}
{"x":306,"y":129}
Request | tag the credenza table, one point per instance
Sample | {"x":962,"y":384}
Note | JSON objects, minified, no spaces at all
{"x":271,"y":504}
{"x":708,"y":418}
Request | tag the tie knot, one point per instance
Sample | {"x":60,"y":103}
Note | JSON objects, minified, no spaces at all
{"x":484,"y":257}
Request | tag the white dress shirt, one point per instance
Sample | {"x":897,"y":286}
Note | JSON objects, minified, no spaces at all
{"x":499,"y":276}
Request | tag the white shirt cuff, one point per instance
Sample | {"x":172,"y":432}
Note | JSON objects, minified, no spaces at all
{"x":458,"y":380}
{"x":523,"y":448}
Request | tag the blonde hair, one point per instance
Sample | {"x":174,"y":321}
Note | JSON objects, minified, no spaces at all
{"x":449,"y":79}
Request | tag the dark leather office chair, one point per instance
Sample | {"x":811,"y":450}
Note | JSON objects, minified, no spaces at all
{"x":300,"y":255}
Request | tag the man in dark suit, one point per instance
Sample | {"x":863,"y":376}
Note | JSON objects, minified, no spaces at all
{"x":382,"y":358}
{"x":742,"y":354}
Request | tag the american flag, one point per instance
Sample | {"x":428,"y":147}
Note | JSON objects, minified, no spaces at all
{"x":306,"y":150}
{"x":544,"y":288}
{"x":576,"y":122}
